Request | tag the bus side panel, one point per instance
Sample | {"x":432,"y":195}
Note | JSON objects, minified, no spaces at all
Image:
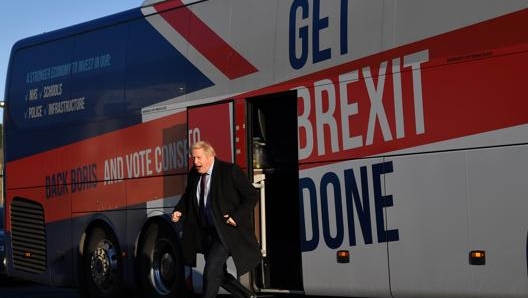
{"x":498,"y":209}
{"x":448,"y":204}
{"x":430,"y":211}
{"x":339,"y":211}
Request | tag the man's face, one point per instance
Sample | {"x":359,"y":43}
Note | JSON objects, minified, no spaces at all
{"x":201,"y":161}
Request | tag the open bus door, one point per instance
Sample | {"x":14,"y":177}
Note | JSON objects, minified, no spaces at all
{"x":272,"y":132}
{"x":272,"y":143}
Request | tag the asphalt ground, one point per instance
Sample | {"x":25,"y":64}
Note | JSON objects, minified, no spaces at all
{"x":22,"y":289}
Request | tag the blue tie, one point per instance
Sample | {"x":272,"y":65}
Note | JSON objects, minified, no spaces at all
{"x":202,"y":205}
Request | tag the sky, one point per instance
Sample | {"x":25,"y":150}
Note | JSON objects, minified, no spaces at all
{"x":24,"y":18}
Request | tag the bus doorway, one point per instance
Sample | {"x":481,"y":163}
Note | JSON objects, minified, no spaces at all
{"x":272,"y":130}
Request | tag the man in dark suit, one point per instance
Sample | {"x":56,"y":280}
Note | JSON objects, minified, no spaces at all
{"x":216,"y":212}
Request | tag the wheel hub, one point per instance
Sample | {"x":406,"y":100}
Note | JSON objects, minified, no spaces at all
{"x":167,"y":266}
{"x":103,"y":264}
{"x":163,"y":267}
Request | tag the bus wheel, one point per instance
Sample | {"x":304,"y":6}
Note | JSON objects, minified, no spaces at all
{"x":160,"y":264}
{"x":101,"y":266}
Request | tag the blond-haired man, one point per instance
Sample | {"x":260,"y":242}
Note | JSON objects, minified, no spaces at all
{"x":216,"y":212}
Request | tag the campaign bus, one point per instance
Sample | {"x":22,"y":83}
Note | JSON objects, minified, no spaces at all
{"x":388,"y":140}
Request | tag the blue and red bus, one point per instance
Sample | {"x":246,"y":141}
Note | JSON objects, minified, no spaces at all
{"x":389,"y":139}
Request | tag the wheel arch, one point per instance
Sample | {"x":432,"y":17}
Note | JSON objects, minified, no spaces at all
{"x":161,"y":219}
{"x":97,"y":221}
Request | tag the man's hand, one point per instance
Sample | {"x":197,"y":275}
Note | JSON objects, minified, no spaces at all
{"x":176,"y":215}
{"x":230,"y":221}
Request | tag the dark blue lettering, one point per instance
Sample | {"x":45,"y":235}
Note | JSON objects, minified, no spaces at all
{"x":317,"y":25}
{"x":357,"y":194}
{"x":73,"y":181}
{"x":328,"y":179}
{"x":83,"y":178}
{"x":344,"y":27}
{"x":56,"y":185}
{"x":298,"y":62}
{"x":308,"y":184}
{"x":361,"y":203}
{"x":48,"y":187}
{"x":94,"y":174}
{"x":381,"y":201}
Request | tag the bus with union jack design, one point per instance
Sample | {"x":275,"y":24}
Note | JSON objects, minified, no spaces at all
{"x":388,"y":139}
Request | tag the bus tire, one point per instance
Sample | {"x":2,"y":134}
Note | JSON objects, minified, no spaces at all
{"x":160,"y":264}
{"x":101,"y":270}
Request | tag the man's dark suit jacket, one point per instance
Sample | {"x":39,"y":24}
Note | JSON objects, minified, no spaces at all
{"x":231,"y":193}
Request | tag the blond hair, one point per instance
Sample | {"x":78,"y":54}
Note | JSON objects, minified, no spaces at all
{"x":205,"y":146}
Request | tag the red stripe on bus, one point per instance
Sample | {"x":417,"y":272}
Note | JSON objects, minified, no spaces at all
{"x":207,"y":42}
